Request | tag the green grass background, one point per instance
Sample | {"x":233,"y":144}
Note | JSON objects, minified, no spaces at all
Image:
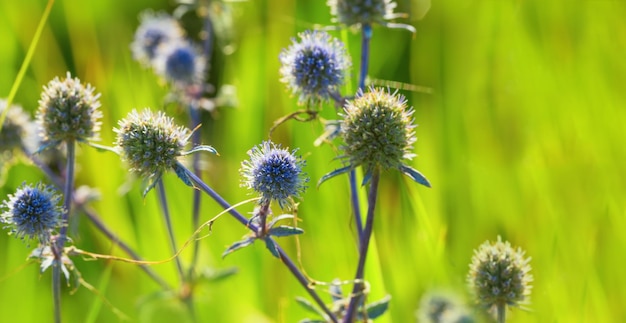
{"x":523,"y":136}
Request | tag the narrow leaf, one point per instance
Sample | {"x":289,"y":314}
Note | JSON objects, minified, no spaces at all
{"x":367,"y":177}
{"x":312,"y":321}
{"x":238,"y":245}
{"x":182,"y":174}
{"x":284,"y":231}
{"x":215,"y":275}
{"x":309,"y":306}
{"x":280,"y":217}
{"x":414,"y":175}
{"x":200,"y":148}
{"x":149,"y":183}
{"x":379,"y":308}
{"x":334,"y":173}
{"x":271,"y":246}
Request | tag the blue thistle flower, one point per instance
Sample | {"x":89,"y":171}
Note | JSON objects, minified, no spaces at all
{"x":151,"y":143}
{"x":500,"y":275}
{"x":314,"y":67}
{"x":33,"y":212}
{"x":378,"y":132}
{"x":274,"y":173}
{"x":180,"y":63}
{"x":359,"y":12}
{"x":155,"y":29}
{"x":68,"y":110}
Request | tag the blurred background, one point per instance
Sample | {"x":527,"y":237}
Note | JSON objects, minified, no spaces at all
{"x":520,"y":133}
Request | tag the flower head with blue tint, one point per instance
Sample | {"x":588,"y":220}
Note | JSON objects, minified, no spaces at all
{"x":314,"y":68}
{"x":68,"y":110}
{"x":33,"y":212}
{"x":358,"y":12}
{"x":274,"y":173}
{"x":181,"y":64}
{"x":378,"y":133}
{"x":155,"y":29}
{"x":500,"y":275}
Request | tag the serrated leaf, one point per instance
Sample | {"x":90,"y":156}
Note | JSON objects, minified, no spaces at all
{"x":271,"y":246}
{"x":238,"y":245}
{"x":309,"y":306}
{"x":334,"y":173}
{"x":414,"y":175}
{"x":200,"y":148}
{"x":284,"y":231}
{"x":279,"y":218}
{"x":379,"y":308}
{"x":182,"y":174}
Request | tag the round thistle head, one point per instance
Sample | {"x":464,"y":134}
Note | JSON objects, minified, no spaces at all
{"x":33,"y":212}
{"x":154,"y":30}
{"x":499,"y":274}
{"x":16,"y":132}
{"x":355,"y":12}
{"x":314,"y":67}
{"x":150,"y":142}
{"x":68,"y":110}
{"x":274,"y":173}
{"x":180,"y":63}
{"x":377,"y":129}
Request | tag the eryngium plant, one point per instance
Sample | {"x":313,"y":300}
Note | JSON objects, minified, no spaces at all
{"x":68,"y":111}
{"x":155,"y":29}
{"x":500,"y":275}
{"x":355,"y":12}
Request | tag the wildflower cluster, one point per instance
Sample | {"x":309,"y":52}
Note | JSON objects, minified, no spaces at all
{"x":160,"y":43}
{"x":68,"y":111}
{"x":500,"y":275}
{"x":314,"y":67}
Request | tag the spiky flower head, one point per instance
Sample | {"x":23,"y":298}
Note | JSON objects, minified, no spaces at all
{"x":181,"y":63}
{"x":150,"y":142}
{"x":17,"y":131}
{"x":68,"y":110}
{"x":378,"y":129}
{"x":32,"y":212}
{"x":314,"y":67}
{"x":154,"y":30}
{"x":274,"y":173}
{"x":355,"y":12}
{"x":500,"y":275}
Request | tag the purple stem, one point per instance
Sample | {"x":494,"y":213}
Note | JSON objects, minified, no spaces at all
{"x":168,"y":224}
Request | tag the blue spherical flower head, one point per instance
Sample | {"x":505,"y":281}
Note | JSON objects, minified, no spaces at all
{"x":181,"y":64}
{"x":154,"y":30}
{"x":500,"y":275}
{"x":33,"y":212}
{"x":274,"y":173}
{"x":68,"y":110}
{"x":358,"y":12}
{"x":150,"y":142}
{"x":314,"y":67}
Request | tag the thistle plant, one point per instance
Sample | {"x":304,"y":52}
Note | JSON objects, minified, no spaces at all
{"x":33,"y":212}
{"x":499,"y":276}
{"x":359,"y":12}
{"x":314,"y":67}
{"x":17,"y":134}
{"x":181,"y":64}
{"x":68,"y":112}
{"x":155,"y":29}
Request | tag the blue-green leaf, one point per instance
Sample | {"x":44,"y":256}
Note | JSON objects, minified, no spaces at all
{"x":238,"y":245}
{"x":414,"y":175}
{"x":200,"y":148}
{"x":379,"y":308}
{"x":312,"y":321}
{"x":280,"y":217}
{"x":182,"y":174}
{"x":215,"y":275}
{"x":271,"y":246}
{"x":334,"y":173}
{"x":284,"y":231}
{"x":149,"y":183}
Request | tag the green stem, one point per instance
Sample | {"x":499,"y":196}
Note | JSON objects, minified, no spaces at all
{"x":170,"y":228}
{"x":26,"y":62}
{"x":501,"y":312}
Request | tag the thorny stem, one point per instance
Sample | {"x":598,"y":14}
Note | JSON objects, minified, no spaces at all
{"x":95,"y":219}
{"x":283,"y":256}
{"x":357,"y":296}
